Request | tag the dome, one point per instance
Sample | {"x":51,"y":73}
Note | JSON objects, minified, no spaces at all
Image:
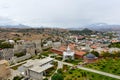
{"x":91,"y":56}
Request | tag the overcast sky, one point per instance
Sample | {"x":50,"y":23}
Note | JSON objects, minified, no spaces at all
{"x":60,"y":13}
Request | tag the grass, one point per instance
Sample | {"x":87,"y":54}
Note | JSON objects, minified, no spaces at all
{"x":77,"y":74}
{"x":75,"y":61}
{"x":58,"y":57}
{"x":46,"y":53}
{"x":107,"y":65}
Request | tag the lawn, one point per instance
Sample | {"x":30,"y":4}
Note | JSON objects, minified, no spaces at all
{"x":107,"y":65}
{"x":77,"y":74}
{"x":72,"y":73}
{"x":46,"y":53}
{"x":75,"y":61}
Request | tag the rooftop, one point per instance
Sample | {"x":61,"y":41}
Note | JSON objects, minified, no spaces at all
{"x":37,"y":62}
{"x":41,"y":69}
{"x":91,"y":56}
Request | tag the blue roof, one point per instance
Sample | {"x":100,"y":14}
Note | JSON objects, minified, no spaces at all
{"x":91,"y":56}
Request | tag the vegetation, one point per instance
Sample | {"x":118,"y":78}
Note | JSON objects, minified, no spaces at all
{"x":58,"y":58}
{"x":82,"y":32}
{"x":57,"y":76}
{"x":115,"y":45}
{"x":5,"y":44}
{"x":20,"y":54}
{"x":16,"y":39}
{"x":78,"y":74}
{"x":95,"y":53}
{"x":76,"y":61}
{"x":107,"y":65}
{"x":46,"y":53}
{"x":17,"y":78}
{"x":111,"y":55}
{"x":71,"y":73}
{"x":46,"y":49}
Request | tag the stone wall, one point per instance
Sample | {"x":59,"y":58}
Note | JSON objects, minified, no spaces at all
{"x":15,"y":59}
{"x":7,"y":54}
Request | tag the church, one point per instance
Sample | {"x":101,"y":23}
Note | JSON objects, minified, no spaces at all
{"x":68,"y":54}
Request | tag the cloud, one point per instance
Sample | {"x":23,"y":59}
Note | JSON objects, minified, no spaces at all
{"x":61,"y":13}
{"x":7,"y":21}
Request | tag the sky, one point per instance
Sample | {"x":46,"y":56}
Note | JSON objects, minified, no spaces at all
{"x":59,"y":13}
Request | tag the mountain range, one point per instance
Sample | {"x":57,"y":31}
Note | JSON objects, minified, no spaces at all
{"x":8,"y":23}
{"x":14,"y":26}
{"x":103,"y":27}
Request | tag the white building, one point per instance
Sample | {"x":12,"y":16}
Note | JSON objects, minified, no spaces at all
{"x":34,"y":69}
{"x":56,"y":44}
{"x":76,"y":40}
{"x":68,"y":54}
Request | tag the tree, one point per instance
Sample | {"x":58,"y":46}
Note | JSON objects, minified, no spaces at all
{"x":115,"y":45}
{"x":57,"y":76}
{"x":17,"y":78}
{"x":59,"y":71}
{"x":105,"y":54}
{"x":95,"y":53}
{"x":6,"y":45}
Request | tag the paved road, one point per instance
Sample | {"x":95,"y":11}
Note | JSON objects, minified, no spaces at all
{"x":69,"y":64}
{"x":91,"y":70}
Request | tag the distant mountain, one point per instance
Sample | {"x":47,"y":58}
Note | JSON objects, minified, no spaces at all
{"x":103,"y":27}
{"x":75,"y":28}
{"x":9,"y":23}
{"x":82,"y":32}
{"x":14,"y":26}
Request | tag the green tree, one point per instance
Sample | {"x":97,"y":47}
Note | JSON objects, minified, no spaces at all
{"x":6,"y":45}
{"x":57,"y":76}
{"x":95,"y":53}
{"x":17,"y":78}
{"x":105,"y":54}
{"x":60,"y":71}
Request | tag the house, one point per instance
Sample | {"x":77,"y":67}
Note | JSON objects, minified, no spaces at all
{"x":90,"y":58}
{"x":56,"y":44}
{"x":34,"y":69}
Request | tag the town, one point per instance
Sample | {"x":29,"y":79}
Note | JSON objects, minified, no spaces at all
{"x":59,"y":54}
